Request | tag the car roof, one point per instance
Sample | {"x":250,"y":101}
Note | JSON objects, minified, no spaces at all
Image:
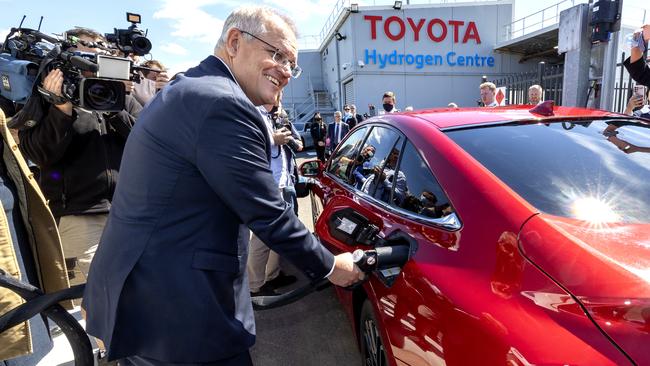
{"x":457,"y":117}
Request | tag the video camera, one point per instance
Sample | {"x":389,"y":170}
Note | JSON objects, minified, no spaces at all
{"x":130,"y":40}
{"x":27,"y":55}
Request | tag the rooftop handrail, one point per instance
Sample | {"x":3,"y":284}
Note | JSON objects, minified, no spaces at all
{"x":519,"y":28}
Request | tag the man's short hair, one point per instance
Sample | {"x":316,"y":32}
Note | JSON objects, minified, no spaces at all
{"x":538,"y":87}
{"x":252,"y":19}
{"x":488,"y":85}
{"x":389,"y":94}
{"x":84,"y":32}
{"x":154,"y":64}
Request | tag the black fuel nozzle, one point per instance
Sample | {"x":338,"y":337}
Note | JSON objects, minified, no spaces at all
{"x":381,"y":257}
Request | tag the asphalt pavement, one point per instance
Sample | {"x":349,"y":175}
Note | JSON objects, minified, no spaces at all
{"x":313,"y":331}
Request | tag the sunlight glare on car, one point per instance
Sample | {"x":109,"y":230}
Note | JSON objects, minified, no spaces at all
{"x":594,"y":210}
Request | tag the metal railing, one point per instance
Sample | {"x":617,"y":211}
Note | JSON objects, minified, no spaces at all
{"x":549,"y":77}
{"x":622,"y":87}
{"x":331,"y":19}
{"x":538,"y":20}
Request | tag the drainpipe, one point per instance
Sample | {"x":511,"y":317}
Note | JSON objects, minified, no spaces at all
{"x":338,"y":74}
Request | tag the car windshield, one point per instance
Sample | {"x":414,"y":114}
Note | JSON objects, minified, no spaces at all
{"x":595,"y":171}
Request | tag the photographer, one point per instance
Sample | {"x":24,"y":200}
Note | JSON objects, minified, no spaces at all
{"x":635,"y":64}
{"x":79,"y":154}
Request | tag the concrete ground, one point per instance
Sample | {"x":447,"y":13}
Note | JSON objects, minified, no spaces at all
{"x":313,"y":331}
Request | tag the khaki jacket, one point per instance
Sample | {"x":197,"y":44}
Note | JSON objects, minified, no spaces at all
{"x":43,"y":238}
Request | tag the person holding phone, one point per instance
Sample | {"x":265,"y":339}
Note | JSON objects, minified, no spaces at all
{"x":638,"y":104}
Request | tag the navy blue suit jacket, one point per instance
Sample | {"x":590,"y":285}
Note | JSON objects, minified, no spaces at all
{"x":168,"y":280}
{"x":331,"y":133}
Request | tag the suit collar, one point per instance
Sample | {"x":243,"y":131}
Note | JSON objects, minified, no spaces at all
{"x":214,"y":62}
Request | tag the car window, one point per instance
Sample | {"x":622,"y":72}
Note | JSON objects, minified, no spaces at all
{"x":345,"y":154}
{"x":597,"y":171}
{"x":375,"y":166}
{"x":416,"y":190}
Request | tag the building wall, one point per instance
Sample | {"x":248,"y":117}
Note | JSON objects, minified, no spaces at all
{"x":429,"y":72}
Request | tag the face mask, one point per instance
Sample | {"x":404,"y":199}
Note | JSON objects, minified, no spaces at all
{"x":387,"y":107}
{"x":348,"y":115}
{"x":370,"y":154}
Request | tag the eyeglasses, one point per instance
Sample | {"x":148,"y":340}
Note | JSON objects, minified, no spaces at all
{"x":279,"y":57}
{"x":346,"y":109}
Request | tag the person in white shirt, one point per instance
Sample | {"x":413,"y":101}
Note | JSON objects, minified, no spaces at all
{"x":388,"y":103}
{"x":488,"y":93}
{"x":535,"y":93}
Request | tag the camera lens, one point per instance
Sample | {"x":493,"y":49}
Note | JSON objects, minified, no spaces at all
{"x":102,"y":95}
{"x":141,"y":45}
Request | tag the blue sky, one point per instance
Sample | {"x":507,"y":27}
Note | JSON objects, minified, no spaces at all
{"x":183,"y":32}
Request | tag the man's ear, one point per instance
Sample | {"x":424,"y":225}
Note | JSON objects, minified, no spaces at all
{"x":233,"y":42}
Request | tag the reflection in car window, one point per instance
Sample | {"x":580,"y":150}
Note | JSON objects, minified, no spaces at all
{"x":421,"y":194}
{"x":597,"y":171}
{"x":374,"y":172}
{"x":343,"y":157}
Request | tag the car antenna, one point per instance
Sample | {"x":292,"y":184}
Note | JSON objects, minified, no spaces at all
{"x":544,"y":108}
{"x":39,"y":23}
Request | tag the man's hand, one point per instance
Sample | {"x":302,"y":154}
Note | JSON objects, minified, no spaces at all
{"x":281,"y":136}
{"x":53,"y":83}
{"x":129,"y":86}
{"x":345,"y":272}
{"x":161,"y":80}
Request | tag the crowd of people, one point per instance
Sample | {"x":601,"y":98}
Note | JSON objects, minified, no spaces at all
{"x":174,"y":233}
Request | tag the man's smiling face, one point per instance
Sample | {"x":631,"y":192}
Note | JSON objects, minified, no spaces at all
{"x":262,"y":78}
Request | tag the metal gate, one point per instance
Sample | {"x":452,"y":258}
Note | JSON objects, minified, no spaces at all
{"x":348,"y":89}
{"x":549,"y":77}
{"x":622,"y":87}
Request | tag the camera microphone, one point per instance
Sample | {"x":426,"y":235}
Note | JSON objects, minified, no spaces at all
{"x":80,"y":62}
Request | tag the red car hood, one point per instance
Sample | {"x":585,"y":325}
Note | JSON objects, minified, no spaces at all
{"x":606,"y":268}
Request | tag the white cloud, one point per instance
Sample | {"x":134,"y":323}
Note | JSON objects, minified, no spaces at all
{"x":173,"y":48}
{"x":182,"y":66}
{"x":190,"y":21}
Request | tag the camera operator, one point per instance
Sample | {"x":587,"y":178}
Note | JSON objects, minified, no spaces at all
{"x":79,"y":154}
{"x":151,"y":81}
{"x":635,"y":64}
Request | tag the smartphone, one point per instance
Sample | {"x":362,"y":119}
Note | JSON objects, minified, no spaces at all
{"x":641,"y":91}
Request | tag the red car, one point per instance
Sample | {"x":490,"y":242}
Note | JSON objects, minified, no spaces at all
{"x":530,"y":235}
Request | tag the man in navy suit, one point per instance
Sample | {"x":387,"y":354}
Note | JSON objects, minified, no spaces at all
{"x":337,"y":130}
{"x":168,"y":284}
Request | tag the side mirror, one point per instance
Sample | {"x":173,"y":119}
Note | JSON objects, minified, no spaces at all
{"x":311,"y":168}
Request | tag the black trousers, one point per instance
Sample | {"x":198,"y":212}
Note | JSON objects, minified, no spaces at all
{"x":320,"y":152}
{"x":243,"y":359}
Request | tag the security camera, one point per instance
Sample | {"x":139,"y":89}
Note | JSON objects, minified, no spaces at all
{"x":360,"y":63}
